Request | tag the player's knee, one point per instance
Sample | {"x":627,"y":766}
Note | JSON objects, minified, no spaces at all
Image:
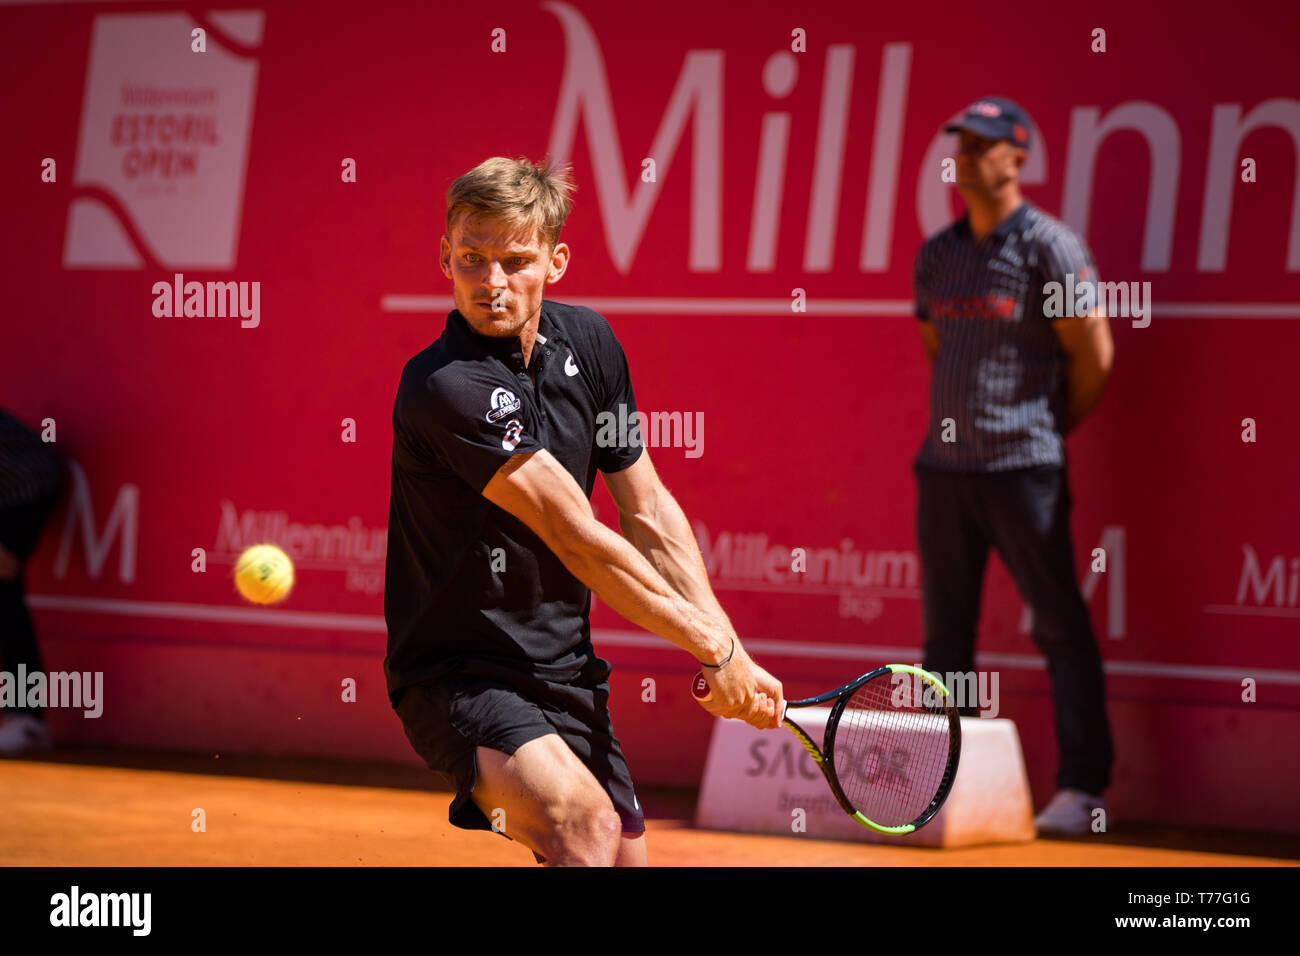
{"x":585,"y":833}
{"x":603,"y":827}
{"x":599,"y":834}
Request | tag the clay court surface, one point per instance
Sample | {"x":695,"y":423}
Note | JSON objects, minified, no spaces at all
{"x":129,"y":808}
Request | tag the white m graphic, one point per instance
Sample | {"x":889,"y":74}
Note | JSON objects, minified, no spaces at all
{"x":124,"y":518}
{"x":584,"y":90}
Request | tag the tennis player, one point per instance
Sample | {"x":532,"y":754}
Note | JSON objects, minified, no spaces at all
{"x":493,"y":548}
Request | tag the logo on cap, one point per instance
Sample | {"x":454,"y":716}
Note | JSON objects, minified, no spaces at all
{"x":1020,"y":133}
{"x":985,"y":108}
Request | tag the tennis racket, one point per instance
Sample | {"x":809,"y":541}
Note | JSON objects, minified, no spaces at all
{"x":892,"y":743}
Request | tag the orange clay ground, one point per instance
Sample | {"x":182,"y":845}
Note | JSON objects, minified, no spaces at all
{"x":130,"y":808}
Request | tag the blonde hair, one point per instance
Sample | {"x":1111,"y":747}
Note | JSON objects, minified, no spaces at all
{"x":530,"y":197}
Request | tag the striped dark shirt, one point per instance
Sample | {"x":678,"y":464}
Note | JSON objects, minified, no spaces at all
{"x":1000,"y":372}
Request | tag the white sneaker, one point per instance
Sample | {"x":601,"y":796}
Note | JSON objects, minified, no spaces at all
{"x":22,"y":734}
{"x":1069,"y":812}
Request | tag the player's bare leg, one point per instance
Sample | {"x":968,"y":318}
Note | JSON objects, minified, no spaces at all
{"x":552,"y":804}
{"x":631,"y":851}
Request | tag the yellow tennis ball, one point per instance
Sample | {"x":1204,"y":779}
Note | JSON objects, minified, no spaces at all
{"x":264,"y":574}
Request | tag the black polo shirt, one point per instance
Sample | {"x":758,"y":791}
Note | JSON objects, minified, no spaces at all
{"x":464,"y":578}
{"x":1000,"y":372}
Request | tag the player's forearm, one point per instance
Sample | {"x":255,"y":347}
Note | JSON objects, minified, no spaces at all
{"x":1084,"y":383}
{"x":664,"y":537}
{"x":622,"y":577}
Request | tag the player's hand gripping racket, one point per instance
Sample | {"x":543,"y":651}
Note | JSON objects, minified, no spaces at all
{"x":893,"y":739}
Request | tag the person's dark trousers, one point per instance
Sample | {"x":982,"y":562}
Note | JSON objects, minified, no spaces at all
{"x":17,"y":640}
{"x":20,"y":529}
{"x":1025,"y":515}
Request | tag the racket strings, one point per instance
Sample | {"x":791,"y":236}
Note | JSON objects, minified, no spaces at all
{"x":890,"y":748}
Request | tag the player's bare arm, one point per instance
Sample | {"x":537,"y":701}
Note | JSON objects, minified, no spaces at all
{"x":653,"y":522}
{"x":930,"y":340}
{"x":537,"y":490}
{"x":1087,"y":342}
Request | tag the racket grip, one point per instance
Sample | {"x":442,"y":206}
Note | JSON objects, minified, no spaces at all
{"x":700,"y":691}
{"x":700,"y":687}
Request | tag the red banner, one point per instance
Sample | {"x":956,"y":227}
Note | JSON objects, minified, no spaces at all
{"x":753,"y":184}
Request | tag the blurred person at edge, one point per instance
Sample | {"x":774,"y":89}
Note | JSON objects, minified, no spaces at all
{"x":31,"y":483}
{"x":1008,"y":383}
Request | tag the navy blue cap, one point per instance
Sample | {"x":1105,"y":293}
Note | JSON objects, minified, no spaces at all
{"x":995,"y":117}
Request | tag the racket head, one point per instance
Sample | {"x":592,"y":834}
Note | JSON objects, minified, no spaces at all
{"x":892,"y":746}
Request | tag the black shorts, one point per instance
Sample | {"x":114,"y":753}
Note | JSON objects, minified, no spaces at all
{"x":479,"y":705}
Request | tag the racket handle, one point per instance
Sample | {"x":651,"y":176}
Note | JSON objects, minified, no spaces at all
{"x":700,"y":691}
{"x":700,"y":687}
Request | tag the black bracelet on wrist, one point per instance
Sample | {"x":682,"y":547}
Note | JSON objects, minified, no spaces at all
{"x":723,"y":662}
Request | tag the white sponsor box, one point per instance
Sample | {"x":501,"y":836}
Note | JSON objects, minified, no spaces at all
{"x":755,"y":780}
{"x":165,"y":136}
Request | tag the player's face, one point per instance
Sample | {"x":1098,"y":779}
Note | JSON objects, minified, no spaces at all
{"x":498,"y":274}
{"x":985,"y":165}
